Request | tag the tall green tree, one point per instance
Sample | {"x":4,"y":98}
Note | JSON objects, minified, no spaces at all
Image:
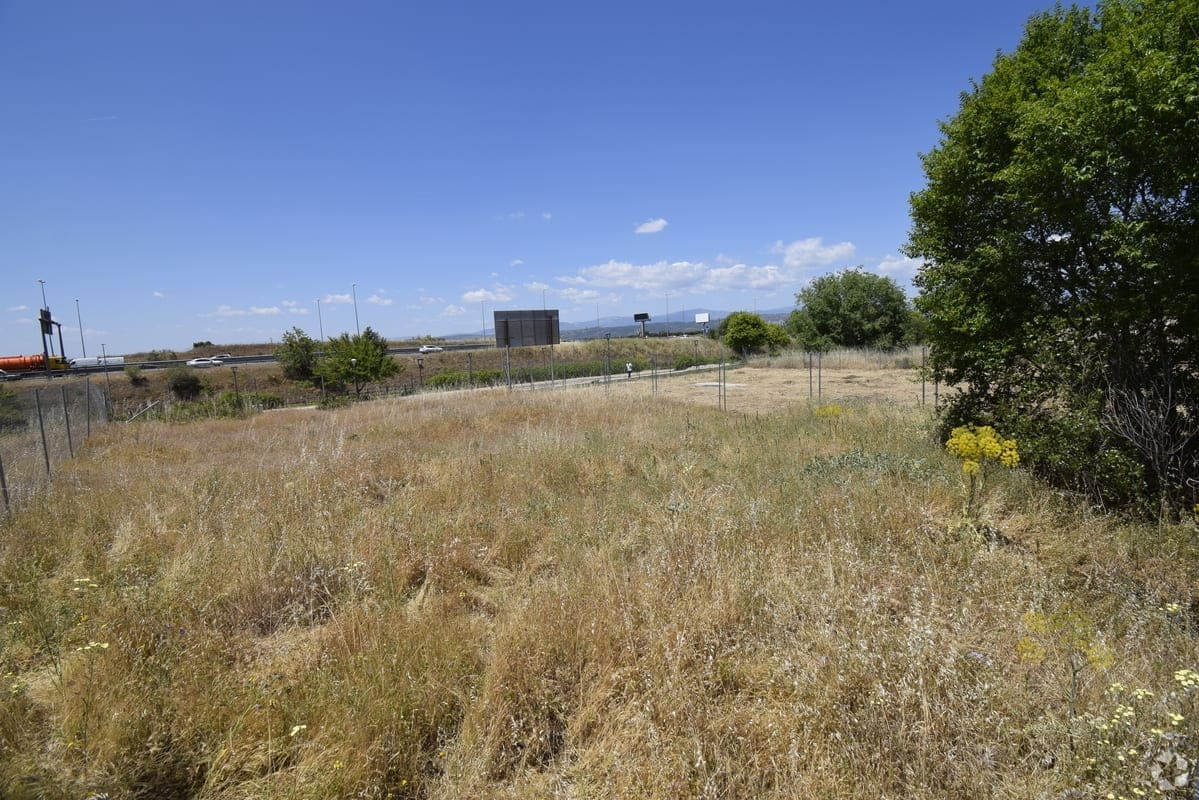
{"x":358,"y":360}
{"x":1060,"y":236}
{"x":297,"y":355}
{"x":851,"y":308}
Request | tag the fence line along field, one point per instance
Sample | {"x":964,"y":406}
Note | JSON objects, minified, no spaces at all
{"x":591,"y":593}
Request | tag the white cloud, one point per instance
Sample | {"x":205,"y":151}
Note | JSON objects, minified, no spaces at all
{"x":681,"y":276}
{"x":572,"y":295}
{"x":900,"y":267}
{"x":378,"y":299}
{"x":547,"y":216}
{"x":252,"y":311}
{"x":514,"y":215}
{"x":498,"y":294}
{"x":452,"y":311}
{"x":431,"y":301}
{"x":516,"y":262}
{"x":337,"y":298}
{"x":812,"y":252}
{"x":300,"y":311}
{"x":17,"y":308}
{"x":537,"y":286}
{"x":651,"y":226}
{"x":288,"y":303}
{"x":158,"y":294}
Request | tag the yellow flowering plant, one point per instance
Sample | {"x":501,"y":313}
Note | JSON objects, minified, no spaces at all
{"x":978,"y":447}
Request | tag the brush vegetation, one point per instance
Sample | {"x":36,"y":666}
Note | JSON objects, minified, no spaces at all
{"x":580,"y":594}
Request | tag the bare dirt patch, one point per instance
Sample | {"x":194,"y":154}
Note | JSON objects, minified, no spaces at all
{"x":762,"y":389}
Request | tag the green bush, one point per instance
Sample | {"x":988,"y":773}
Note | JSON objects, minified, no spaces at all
{"x":457,"y":379}
{"x":184,"y":383}
{"x":264,"y":400}
{"x":134,"y":373}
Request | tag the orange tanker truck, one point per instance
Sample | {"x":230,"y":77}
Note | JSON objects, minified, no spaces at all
{"x":30,"y":363}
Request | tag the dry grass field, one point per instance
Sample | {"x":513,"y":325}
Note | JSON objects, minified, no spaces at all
{"x":586,"y":593}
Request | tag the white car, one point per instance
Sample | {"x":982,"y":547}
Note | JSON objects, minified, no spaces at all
{"x":429,"y":348}
{"x":204,"y":362}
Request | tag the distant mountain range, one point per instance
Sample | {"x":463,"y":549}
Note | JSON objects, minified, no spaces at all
{"x":625,"y":326}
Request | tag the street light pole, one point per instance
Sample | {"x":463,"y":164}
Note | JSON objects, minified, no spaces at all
{"x":320,"y":321}
{"x":79,"y":317}
{"x":354,"y":290}
{"x":43,"y":283}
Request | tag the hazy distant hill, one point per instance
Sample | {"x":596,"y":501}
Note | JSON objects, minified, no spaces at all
{"x":624,"y":325}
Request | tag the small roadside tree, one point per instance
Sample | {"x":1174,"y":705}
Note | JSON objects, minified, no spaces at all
{"x":777,"y":337}
{"x":744,"y":332}
{"x":358,"y":360}
{"x":850,"y":308}
{"x":296,"y":355}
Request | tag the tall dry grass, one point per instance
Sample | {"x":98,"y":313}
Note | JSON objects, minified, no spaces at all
{"x":566,"y":594}
{"x":863,"y":358}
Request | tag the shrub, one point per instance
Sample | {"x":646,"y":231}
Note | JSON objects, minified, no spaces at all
{"x":184,"y":383}
{"x":134,"y":373}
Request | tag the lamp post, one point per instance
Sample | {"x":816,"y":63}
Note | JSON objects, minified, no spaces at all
{"x":79,"y":317}
{"x":607,"y":357}
{"x":43,"y":283}
{"x":354,"y":291}
{"x":320,"y":321}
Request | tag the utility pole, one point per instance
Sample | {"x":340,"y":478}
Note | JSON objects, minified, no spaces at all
{"x":320,"y":321}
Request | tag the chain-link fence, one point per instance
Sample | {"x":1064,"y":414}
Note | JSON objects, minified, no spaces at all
{"x":41,"y":427}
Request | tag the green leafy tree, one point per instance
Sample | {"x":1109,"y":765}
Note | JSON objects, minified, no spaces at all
{"x":777,"y":337}
{"x":851,"y":308}
{"x":358,"y":360}
{"x":744,"y":332}
{"x":1060,"y":235}
{"x":297,"y":355}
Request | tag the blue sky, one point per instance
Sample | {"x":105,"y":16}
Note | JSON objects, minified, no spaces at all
{"x":192,"y":171}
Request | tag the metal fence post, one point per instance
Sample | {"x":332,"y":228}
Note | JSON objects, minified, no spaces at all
{"x":3,"y":484}
{"x":923,"y":376}
{"x":37,"y":399}
{"x":66,"y":416}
